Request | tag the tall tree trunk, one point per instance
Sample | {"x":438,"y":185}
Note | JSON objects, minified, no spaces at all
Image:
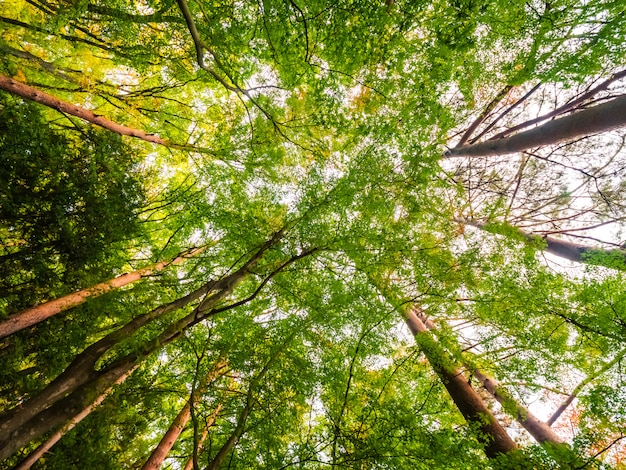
{"x":492,"y":435}
{"x":611,"y":258}
{"x":203,"y":436}
{"x":251,"y":401}
{"x":33,"y":94}
{"x":38,"y":416}
{"x":540,"y":431}
{"x":39,"y":313}
{"x":600,"y":118}
{"x":82,"y":369}
{"x":568,"y":401}
{"x":52,"y":440}
{"x":63,"y":411}
{"x":160,"y":452}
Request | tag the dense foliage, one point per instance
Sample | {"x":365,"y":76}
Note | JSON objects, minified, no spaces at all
{"x":288,"y":211}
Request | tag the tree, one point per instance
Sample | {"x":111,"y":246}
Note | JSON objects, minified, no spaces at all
{"x":300,"y":144}
{"x":600,"y":118}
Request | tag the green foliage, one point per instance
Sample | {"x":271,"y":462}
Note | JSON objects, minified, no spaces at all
{"x":319,"y":126}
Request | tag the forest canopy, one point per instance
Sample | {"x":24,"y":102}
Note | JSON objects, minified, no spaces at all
{"x":322,"y":234}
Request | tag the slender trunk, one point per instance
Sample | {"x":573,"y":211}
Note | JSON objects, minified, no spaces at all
{"x":568,"y":401}
{"x":232,"y":441}
{"x":480,"y":119}
{"x":160,"y":452}
{"x":205,"y":433}
{"x":32,"y":419}
{"x":540,"y":431}
{"x":82,"y":369}
{"x":39,"y":313}
{"x":614,"y":258}
{"x":63,"y":411}
{"x":27,"y":92}
{"x":52,"y":440}
{"x":600,"y":118}
{"x":491,"y":434}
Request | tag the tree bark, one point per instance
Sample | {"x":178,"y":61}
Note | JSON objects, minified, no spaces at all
{"x":160,"y":452}
{"x":614,"y":258}
{"x":205,"y":433}
{"x":569,"y":400}
{"x":82,"y":369}
{"x":33,"y":94}
{"x":540,"y":431}
{"x":37,"y":416}
{"x":39,"y":313}
{"x":600,"y":118}
{"x":492,"y":435}
{"x":63,"y":411}
{"x":52,"y":440}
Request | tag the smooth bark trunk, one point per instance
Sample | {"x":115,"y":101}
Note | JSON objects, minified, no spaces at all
{"x":540,"y":431}
{"x":492,"y":435}
{"x":33,"y":94}
{"x":35,"y":417}
{"x":82,"y":369}
{"x":600,"y":118}
{"x":205,"y":433}
{"x":39,"y":313}
{"x":52,"y":440}
{"x":64,"y":410}
{"x":572,"y":396}
{"x":160,"y":452}
{"x":614,"y":258}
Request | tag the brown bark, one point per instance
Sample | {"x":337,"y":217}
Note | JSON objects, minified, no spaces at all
{"x":480,"y":119}
{"x":39,"y":313}
{"x":203,"y":436}
{"x":569,"y":400}
{"x":600,"y":118}
{"x":82,"y":369}
{"x":566,"y":107}
{"x":52,"y":440}
{"x":251,"y":401}
{"x":491,"y":434}
{"x":160,"y":452}
{"x":64,"y":410}
{"x":38,"y":96}
{"x":611,"y":258}
{"x":38,"y":416}
{"x":540,"y":431}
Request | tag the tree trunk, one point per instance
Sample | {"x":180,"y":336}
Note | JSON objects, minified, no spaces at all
{"x":491,"y":434}
{"x":600,"y":118}
{"x":205,"y":433}
{"x":160,"y":452}
{"x":52,"y":440}
{"x":39,"y":313}
{"x":81,"y":369}
{"x":33,"y":94}
{"x":37,"y":416}
{"x":540,"y":431}
{"x":614,"y":258}
{"x":65,"y":410}
{"x":569,"y":400}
